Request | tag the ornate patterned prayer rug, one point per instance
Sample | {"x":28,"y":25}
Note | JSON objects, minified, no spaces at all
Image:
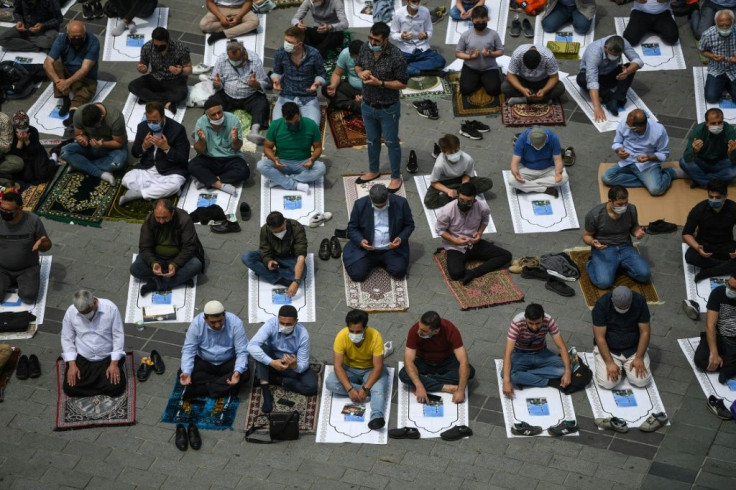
{"x":133,"y":211}
{"x":429,"y":87}
{"x":205,"y":412}
{"x":347,"y":128}
{"x":478,"y":103}
{"x":533,"y":115}
{"x":32,"y":196}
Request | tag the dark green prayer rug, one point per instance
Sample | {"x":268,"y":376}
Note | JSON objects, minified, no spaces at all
{"x":133,"y":211}
{"x":202,"y":411}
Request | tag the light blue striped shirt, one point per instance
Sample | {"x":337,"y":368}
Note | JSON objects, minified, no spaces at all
{"x":215,"y":346}
{"x":596,"y":62}
{"x":269,"y":344}
{"x":654,"y":141}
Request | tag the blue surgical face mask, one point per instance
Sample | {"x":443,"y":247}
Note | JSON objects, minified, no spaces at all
{"x":236,"y":64}
{"x":731,"y":293}
{"x":453,"y":157}
{"x":715,"y":203}
{"x":375,"y":49}
{"x":288,"y":47}
{"x":356,"y":338}
{"x":155,"y":127}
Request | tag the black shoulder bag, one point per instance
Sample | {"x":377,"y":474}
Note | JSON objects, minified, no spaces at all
{"x":282,"y":426}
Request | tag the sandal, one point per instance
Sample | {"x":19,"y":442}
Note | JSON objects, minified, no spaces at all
{"x":613,"y":423}
{"x":654,"y":422}
{"x":524,"y":429}
{"x":456,"y":433}
{"x":404,"y":433}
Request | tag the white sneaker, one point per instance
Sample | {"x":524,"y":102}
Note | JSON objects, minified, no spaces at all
{"x":201,"y":68}
{"x":388,"y":349}
{"x":319,"y":218}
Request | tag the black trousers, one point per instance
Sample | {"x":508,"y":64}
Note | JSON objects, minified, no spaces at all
{"x":610,"y":88}
{"x":323,"y":41}
{"x":147,"y":88}
{"x":345,"y":97}
{"x":718,"y":264}
{"x":128,"y":9}
{"x":256,"y":105}
{"x":510,"y":91}
{"x":211,"y":379}
{"x":641,"y":23}
{"x":471,"y":80}
{"x":494,"y":258}
{"x":208,"y":170}
{"x":93,"y":380}
{"x":702,"y":353}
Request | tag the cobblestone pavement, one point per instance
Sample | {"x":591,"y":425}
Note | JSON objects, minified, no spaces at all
{"x":696,"y":450}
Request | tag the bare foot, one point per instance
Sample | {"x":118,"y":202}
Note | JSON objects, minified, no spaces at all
{"x":449,"y":388}
{"x":217,"y":184}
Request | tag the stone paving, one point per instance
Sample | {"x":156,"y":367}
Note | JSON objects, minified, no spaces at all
{"x":697,"y":450}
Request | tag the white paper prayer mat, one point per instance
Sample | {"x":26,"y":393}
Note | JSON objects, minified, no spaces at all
{"x":23,"y":57}
{"x":265,"y":299}
{"x":538,"y":212}
{"x":292,"y":204}
{"x":181,"y":298}
{"x":192,"y":198}
{"x":134,"y":113}
{"x":498,"y":13}
{"x":582,"y":99}
{"x":64,"y":10}
{"x":433,"y":418}
{"x":127,"y":46}
{"x":625,"y":401}
{"x":341,"y":420}
{"x":708,"y":381}
{"x":422,"y":182}
{"x":360,"y":12}
{"x":543,"y":407}
{"x":254,"y":41}
{"x":28,"y":334}
{"x":700,"y":73}
{"x":653,"y":51}
{"x":44,"y":113}
{"x":13,"y":303}
{"x":699,"y":291}
{"x":565,"y":34}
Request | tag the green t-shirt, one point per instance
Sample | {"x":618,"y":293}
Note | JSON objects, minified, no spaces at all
{"x":294,"y":145}
{"x":166,"y":245}
{"x":112,"y":125}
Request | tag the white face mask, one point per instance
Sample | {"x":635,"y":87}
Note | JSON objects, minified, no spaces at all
{"x":317,"y":4}
{"x":620,"y":209}
{"x":731,"y":293}
{"x":453,"y":157}
{"x":414,"y":6}
{"x":612,"y":57}
{"x":356,"y":338}
{"x":280,"y":235}
{"x":286,"y":329}
{"x":216,"y":122}
{"x":425,"y":337}
{"x":725,"y":32}
{"x":716,"y":129}
{"x":288,"y":47}
{"x":620,"y":310}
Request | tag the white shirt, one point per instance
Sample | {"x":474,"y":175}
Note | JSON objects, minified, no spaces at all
{"x":414,"y":24}
{"x":94,"y":340}
{"x":381,"y":238}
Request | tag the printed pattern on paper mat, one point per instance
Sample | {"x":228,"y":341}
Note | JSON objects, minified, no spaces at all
{"x":431,"y":87}
{"x":254,"y":41}
{"x":498,"y":14}
{"x":44,"y":113}
{"x":700,"y":73}
{"x":422,"y":182}
{"x":539,"y":212}
{"x":332,"y":426}
{"x":99,"y":410}
{"x":292,"y":204}
{"x":545,"y":407}
{"x":78,"y":198}
{"x":13,"y":303}
{"x":191,"y":198}
{"x":127,"y":46}
{"x":564,"y":34}
{"x":655,"y":53}
{"x":518,"y":115}
{"x":708,"y":381}
{"x":135,"y":113}
{"x":431,"y":420}
{"x":591,"y":293}
{"x":203,"y":411}
{"x":492,"y":289}
{"x":582,"y":99}
{"x":265,"y":300}
{"x":699,"y":291}
{"x":22,"y":57}
{"x":307,"y":406}
{"x":182,"y":298}
{"x":360,"y":12}
{"x":625,"y":401}
{"x":479,"y":103}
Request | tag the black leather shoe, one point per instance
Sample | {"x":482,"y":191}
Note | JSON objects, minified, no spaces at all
{"x":23,"y":369}
{"x":376,"y":424}
{"x":361,"y":180}
{"x":158,"y":362}
{"x":34,"y":366}
{"x":144,"y":371}
{"x":245,"y":212}
{"x":194,"y":440}
{"x":335,"y":248}
{"x":341,"y":233}
{"x":412,"y":166}
{"x":181,"y":438}
{"x":324,"y":249}
{"x":226,"y":227}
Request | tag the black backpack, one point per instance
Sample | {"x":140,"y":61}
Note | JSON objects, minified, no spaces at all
{"x":16,"y":81}
{"x":581,"y":376}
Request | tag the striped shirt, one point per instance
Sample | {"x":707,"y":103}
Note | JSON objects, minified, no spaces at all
{"x":529,"y":341}
{"x":548,"y":65}
{"x":235,"y":79}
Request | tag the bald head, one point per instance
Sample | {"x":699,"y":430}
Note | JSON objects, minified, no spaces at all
{"x":163,"y":211}
{"x":637,"y":120}
{"x":76,"y":28}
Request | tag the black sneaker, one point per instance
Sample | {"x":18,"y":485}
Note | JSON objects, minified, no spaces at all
{"x":427,"y":108}
{"x":436,"y":150}
{"x":437,"y":14}
{"x":470,"y":132}
{"x":691,"y":309}
{"x":716,"y":406}
{"x":479,"y":126}
{"x":515,"y":30}
{"x":563,"y":428}
{"x":87,"y":11}
{"x":526,"y":26}
{"x":97,"y":10}
{"x":412,"y":166}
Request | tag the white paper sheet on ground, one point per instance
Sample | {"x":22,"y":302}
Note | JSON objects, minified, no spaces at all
{"x":264,"y":299}
{"x":13,"y":303}
{"x":254,"y":41}
{"x":456,"y":65}
{"x":625,"y":401}
{"x":564,"y":34}
{"x":134,"y":113}
{"x":541,"y":213}
{"x":699,"y":291}
{"x":44,"y":113}
{"x":655,"y":53}
{"x":708,"y":381}
{"x":700,"y":73}
{"x":64,"y":10}
{"x":181,"y":298}
{"x":431,"y":420}
{"x":360,"y":12}
{"x":127,"y":46}
{"x":544,"y":407}
{"x":498,"y":12}
{"x":192,"y":198}
{"x":334,"y":426}
{"x":22,"y":57}
{"x":422,"y":182}
{"x":583,"y":101}
{"x":292,"y":204}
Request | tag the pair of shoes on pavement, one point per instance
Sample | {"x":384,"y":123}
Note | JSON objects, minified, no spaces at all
{"x":92,"y":10}
{"x":427,"y":108}
{"x":474,"y":129}
{"x":154,"y":363}
{"x":330,"y":247}
{"x":318,"y":219}
{"x":226,"y":227}
{"x":437,"y":14}
{"x":718,"y":408}
{"x":691,"y":309}
{"x":187,"y":436}
{"x":519,"y":26}
{"x":28,"y":367}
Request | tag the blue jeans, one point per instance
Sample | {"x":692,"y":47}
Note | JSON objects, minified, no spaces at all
{"x":701,"y":20}
{"x":420,"y":61}
{"x":561,"y":14}
{"x":604,"y":264}
{"x":94,"y":161}
{"x":308,"y":107}
{"x":656,"y":179}
{"x":702,"y":172}
{"x":140,"y":270}
{"x":285,"y":272}
{"x":535,"y":368}
{"x":383,"y":122}
{"x":293,"y":174}
{"x":714,"y":87}
{"x":304,"y":383}
{"x":455,"y":12}
{"x":435,"y":375}
{"x":357,"y":378}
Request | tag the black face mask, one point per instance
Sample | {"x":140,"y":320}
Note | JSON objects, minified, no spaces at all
{"x":160,"y":47}
{"x":464,"y":206}
{"x":7,"y":215}
{"x":480,"y":26}
{"x":77,"y":43}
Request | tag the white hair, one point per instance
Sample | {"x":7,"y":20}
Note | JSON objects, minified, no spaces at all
{"x":84,"y":300}
{"x":727,"y":12}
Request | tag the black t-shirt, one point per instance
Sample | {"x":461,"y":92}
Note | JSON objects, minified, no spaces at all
{"x":622,"y":329}
{"x":713,"y":227}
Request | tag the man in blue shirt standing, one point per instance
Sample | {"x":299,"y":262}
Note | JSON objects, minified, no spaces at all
{"x":537,"y":163}
{"x":281,"y":351}
{"x":214,"y":358}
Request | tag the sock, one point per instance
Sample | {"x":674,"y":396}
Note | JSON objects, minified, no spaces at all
{"x":199,"y":185}
{"x":229,"y":189}
{"x":108,"y":177}
{"x":267,"y":406}
{"x":303,"y":188}
{"x":216,"y":36}
{"x":254,"y":128}
{"x":130,"y":195}
{"x":552,"y":191}
{"x":148,"y":288}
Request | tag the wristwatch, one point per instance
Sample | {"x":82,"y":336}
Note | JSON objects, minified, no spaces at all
{"x":298,"y":281}
{"x":365,"y":388}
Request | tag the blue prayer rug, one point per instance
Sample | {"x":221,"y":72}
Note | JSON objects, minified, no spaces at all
{"x":202,"y":411}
